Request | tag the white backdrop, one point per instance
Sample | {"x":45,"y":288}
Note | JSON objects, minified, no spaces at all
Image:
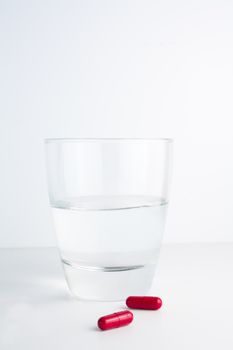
{"x":118,"y":68}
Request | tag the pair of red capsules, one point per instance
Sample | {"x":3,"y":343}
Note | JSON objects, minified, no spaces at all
{"x":123,"y":318}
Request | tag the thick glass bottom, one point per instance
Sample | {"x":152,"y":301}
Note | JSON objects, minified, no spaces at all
{"x":108,"y":284}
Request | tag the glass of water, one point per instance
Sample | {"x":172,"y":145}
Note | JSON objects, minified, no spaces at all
{"x":109,"y":200}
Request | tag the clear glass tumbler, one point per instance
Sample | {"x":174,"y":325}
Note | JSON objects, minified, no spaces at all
{"x":109,"y":200}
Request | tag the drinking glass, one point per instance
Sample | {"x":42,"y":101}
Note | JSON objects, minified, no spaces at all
{"x":109,"y":201}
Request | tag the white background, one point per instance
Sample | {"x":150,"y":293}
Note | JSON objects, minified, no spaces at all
{"x":100,"y":68}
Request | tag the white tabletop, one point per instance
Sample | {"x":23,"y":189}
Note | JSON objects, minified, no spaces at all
{"x":194,"y":281}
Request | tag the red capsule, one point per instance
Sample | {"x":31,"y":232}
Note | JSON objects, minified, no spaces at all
{"x":146,"y":303}
{"x":115,"y":320}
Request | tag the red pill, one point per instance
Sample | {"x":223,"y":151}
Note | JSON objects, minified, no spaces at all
{"x":115,"y":320}
{"x":146,"y":303}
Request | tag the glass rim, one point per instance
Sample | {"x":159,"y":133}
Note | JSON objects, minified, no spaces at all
{"x":109,"y":139}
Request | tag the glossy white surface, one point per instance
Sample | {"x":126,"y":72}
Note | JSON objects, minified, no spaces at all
{"x":194,"y":281}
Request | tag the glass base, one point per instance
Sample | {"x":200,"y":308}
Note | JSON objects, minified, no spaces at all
{"x":108,"y":284}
